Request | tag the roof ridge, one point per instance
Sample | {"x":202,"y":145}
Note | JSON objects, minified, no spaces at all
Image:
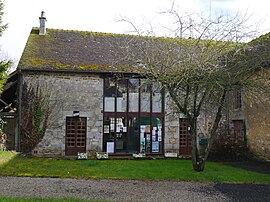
{"x":92,"y":32}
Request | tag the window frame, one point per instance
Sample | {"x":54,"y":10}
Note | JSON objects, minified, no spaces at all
{"x":139,"y":114}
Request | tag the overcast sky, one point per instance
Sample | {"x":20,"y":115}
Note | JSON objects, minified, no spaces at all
{"x":102,"y":16}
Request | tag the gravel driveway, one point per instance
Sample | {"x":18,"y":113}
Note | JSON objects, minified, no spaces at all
{"x":130,"y":190}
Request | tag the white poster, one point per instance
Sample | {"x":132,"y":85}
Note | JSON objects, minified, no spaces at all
{"x":159,"y":135}
{"x":118,"y":129}
{"x":155,"y":146}
{"x":112,"y":127}
{"x":153,"y":132}
{"x":143,"y":141}
{"x":106,"y":129}
{"x":124,"y":129}
{"x":142,"y":128}
{"x":110,"y":147}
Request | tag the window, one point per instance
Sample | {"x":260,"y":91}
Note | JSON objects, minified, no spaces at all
{"x":133,"y":87}
{"x":109,"y":93}
{"x":122,"y":95}
{"x":133,"y":116}
{"x":237,"y":99}
{"x":156,"y":97}
{"x":145,"y":95}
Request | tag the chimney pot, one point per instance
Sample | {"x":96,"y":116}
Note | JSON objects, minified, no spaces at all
{"x":42,"y":21}
{"x":42,"y":14}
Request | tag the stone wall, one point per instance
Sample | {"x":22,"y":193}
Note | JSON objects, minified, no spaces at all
{"x":172,"y":121}
{"x":84,"y":93}
{"x":171,"y":138}
{"x":258,"y":129}
{"x":69,"y":93}
{"x":204,"y":124}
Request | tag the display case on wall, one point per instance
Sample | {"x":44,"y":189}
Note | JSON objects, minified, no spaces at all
{"x":145,"y":138}
{"x":151,"y":135}
{"x":115,"y":134}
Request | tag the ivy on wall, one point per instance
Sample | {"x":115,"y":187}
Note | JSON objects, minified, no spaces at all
{"x":36,"y":111}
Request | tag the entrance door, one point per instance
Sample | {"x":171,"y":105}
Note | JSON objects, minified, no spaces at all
{"x":133,"y":138}
{"x":184,"y":138}
{"x":75,"y":135}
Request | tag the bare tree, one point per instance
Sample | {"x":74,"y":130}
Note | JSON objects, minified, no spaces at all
{"x":5,"y":64}
{"x":203,"y":61}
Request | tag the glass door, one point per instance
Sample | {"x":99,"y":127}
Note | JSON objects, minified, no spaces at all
{"x":121,"y":135}
{"x":133,"y":137}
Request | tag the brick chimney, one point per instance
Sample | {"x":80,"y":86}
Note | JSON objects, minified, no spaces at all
{"x":42,"y":21}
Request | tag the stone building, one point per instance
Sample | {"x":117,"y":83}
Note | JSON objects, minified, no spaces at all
{"x":258,"y":130}
{"x":95,"y":102}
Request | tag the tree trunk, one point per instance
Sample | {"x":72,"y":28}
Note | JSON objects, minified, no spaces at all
{"x":198,"y":164}
{"x":197,"y":161}
{"x":213,"y":133}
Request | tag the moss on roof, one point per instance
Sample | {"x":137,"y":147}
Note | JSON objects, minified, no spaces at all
{"x":95,"y":51}
{"x":264,"y":39}
{"x":69,"y":49}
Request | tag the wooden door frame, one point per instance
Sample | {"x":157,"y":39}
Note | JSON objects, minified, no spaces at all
{"x":188,"y":146}
{"x":83,"y":149}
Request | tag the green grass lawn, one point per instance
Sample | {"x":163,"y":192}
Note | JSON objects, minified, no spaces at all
{"x":6,"y":156}
{"x":159,"y":169}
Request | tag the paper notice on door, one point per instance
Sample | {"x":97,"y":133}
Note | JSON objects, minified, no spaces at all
{"x":159,"y":135}
{"x":124,"y":129}
{"x":142,"y":128}
{"x":155,"y":146}
{"x":118,"y":129}
{"x":110,"y":147}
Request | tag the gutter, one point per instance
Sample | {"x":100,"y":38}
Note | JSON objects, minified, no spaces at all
{"x":3,"y":114}
{"x":74,"y":71}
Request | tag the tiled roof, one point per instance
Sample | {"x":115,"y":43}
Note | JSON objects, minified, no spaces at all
{"x":263,"y":39}
{"x":95,"y":51}
{"x":62,"y":49}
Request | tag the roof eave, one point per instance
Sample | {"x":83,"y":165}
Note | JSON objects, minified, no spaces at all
{"x":80,"y":71}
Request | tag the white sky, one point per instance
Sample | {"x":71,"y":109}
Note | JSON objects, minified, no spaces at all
{"x":101,"y":16}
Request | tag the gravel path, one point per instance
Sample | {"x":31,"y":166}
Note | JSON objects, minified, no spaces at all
{"x":130,"y":190}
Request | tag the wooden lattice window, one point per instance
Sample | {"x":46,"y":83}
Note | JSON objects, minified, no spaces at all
{"x":185,"y":138}
{"x":71,"y":125}
{"x":76,"y":132}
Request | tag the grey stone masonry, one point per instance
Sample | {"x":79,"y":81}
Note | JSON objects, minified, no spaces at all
{"x":171,"y":142}
{"x":69,"y":93}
